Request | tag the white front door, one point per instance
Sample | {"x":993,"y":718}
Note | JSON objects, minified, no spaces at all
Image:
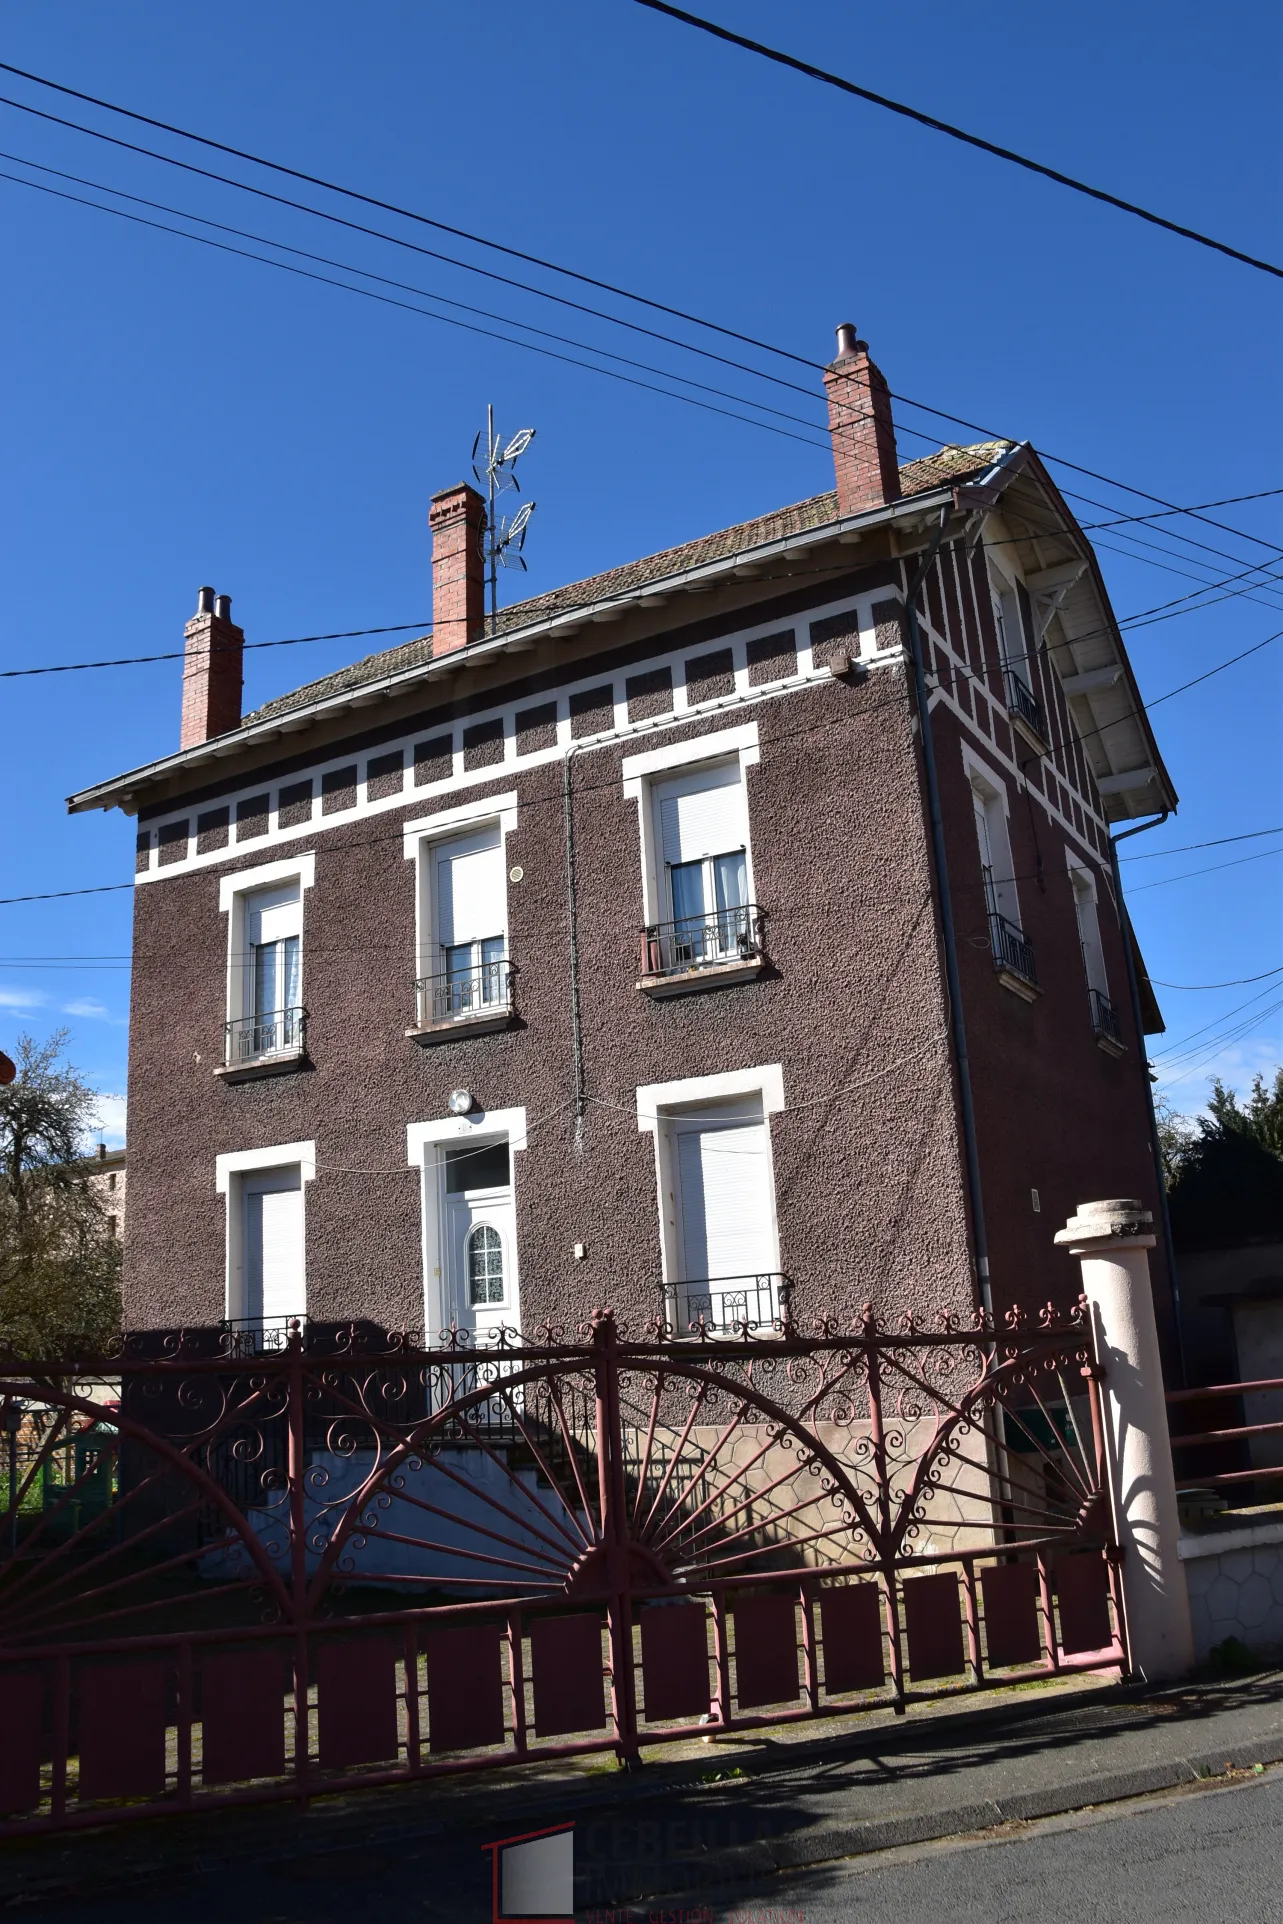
{"x":275,"y":1285}
{"x":480,"y":1240}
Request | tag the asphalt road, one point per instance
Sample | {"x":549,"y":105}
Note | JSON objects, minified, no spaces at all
{"x":1206,"y":1857}
{"x":1193,"y":1857}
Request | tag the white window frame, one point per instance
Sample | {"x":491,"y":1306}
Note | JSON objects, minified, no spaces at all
{"x":642,"y":774}
{"x":1005,"y":602}
{"x":1086,"y":894}
{"x":234,"y":892}
{"x":229,"y":1171}
{"x":425,"y":1147}
{"x":421,"y":838}
{"x":659,"y":1104}
{"x":991,"y":792}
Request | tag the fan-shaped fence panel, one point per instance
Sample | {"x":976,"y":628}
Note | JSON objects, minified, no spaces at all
{"x":234,"y":1577}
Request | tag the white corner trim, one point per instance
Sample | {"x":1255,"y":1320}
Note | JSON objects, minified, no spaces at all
{"x":419,"y":1136}
{"x":462,"y":816}
{"x":281,"y":1154}
{"x":705,"y":748}
{"x":992,"y":782}
{"x":300,"y":867}
{"x":656,"y":1097}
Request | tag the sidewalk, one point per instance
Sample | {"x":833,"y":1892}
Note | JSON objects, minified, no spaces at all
{"x":723,"y":1812}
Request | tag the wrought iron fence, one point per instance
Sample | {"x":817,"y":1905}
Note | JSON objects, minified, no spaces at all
{"x":1104,"y":1018}
{"x":1022,"y":701}
{"x":463,"y":995}
{"x":731,"y":935}
{"x":360,"y":1561}
{"x":727,"y":1305}
{"x":1012,"y":948}
{"x":277,"y":1032}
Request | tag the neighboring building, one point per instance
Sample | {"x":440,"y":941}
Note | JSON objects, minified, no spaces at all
{"x":107,"y":1177}
{"x":508,"y":973}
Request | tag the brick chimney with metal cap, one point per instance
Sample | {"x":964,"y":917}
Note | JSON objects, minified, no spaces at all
{"x":457,"y":520}
{"x":212,"y":670}
{"x":861,"y":427}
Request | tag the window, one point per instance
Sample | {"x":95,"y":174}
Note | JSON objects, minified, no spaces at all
{"x":1012,"y":951}
{"x":1104,"y":1016}
{"x":266,"y":1020}
{"x":468,"y":973}
{"x":1011,"y":639}
{"x":1015,"y":644}
{"x":702,"y":839}
{"x":485,"y":1266}
{"x":272,"y":1008}
{"x":272,"y":1250}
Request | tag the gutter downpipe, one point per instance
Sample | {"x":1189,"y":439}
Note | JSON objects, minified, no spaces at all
{"x":1133,"y":985}
{"x":962,"y":1061}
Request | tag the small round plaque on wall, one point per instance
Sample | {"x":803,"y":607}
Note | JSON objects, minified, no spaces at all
{"x":517,"y":874}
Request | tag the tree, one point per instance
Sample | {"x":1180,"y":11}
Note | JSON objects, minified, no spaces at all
{"x":59,"y":1267}
{"x":1225,"y":1179}
{"x":1262,"y":1120}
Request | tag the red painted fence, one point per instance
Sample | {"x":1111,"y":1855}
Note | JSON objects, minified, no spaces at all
{"x":268,"y":1575}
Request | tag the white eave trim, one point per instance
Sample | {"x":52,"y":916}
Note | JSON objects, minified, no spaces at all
{"x":914,"y":507}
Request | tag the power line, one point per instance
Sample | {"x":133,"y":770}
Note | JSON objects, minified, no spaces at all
{"x":427,"y":294}
{"x":1235,"y":982}
{"x":1211,"y":869}
{"x":1229,"y":501}
{"x":387,"y":300}
{"x":958,"y":133}
{"x":571,"y":273}
{"x":1187,"y":848}
{"x":178,"y":654}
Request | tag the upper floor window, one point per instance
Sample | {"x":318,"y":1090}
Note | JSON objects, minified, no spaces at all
{"x":1015,"y":644}
{"x":266,"y":1026}
{"x":1012,"y":950}
{"x":464,"y":929}
{"x":701,"y":838}
{"x":273,"y":995}
{"x":1104,"y":1016}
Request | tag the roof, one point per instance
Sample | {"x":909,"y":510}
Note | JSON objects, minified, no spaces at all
{"x":947,"y":465}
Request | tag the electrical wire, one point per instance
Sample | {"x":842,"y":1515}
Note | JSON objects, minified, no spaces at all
{"x":716,"y":327}
{"x":1187,"y":848}
{"x":1235,"y":982}
{"x":1262,"y":856}
{"x":387,"y":300}
{"x":957,"y":133}
{"x":179,"y":654}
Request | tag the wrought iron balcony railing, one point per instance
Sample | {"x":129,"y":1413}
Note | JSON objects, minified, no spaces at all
{"x":727,"y":1304}
{"x":259,"y":1038}
{"x":260,"y":1335}
{"x":731,"y":935}
{"x":1022,"y":701}
{"x":1012,"y":949}
{"x":463,"y":996}
{"x":1104,"y":1018}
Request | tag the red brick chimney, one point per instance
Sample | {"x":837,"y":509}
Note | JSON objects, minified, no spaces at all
{"x":860,"y":424}
{"x":457,"y":518}
{"x":212,"y":670}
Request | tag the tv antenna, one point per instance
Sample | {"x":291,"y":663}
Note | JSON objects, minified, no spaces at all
{"x":503,"y":536}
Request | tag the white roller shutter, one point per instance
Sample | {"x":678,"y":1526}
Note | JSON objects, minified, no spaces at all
{"x":470,"y":893}
{"x":275,"y":1285}
{"x":723,"y":1172}
{"x":703,"y":815}
{"x":273,"y":914}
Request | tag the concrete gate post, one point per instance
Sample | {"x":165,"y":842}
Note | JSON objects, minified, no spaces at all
{"x":1112,"y":1239}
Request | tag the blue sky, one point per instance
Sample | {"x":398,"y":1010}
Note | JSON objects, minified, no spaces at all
{"x":176,"y":416}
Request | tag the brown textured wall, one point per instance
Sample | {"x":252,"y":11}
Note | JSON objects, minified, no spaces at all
{"x":866,"y":1158}
{"x":1053,"y":1111}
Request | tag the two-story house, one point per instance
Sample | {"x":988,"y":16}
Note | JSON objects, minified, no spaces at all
{"x":736,"y":925}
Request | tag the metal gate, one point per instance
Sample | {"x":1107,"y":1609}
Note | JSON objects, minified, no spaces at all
{"x":231,"y":1576}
